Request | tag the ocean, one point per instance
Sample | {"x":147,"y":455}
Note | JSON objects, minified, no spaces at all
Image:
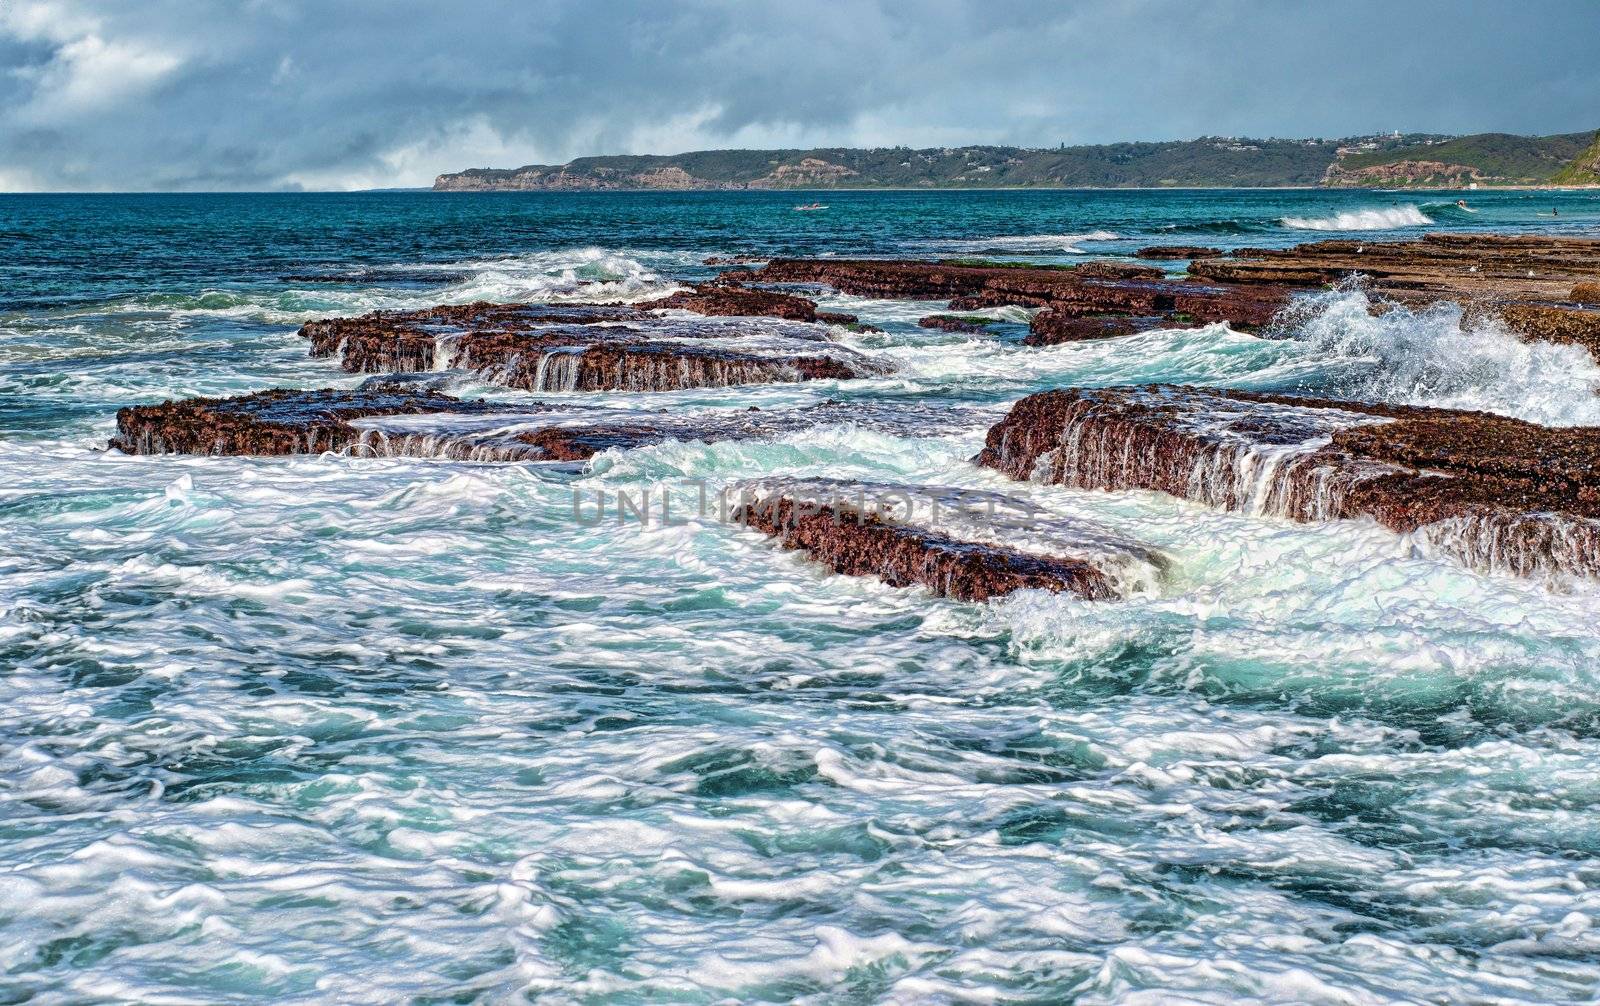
{"x":372,"y":730}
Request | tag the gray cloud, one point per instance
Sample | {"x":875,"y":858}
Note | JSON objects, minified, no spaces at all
{"x":191,"y":94}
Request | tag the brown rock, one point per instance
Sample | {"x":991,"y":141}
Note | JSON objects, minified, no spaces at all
{"x":279,"y":421}
{"x":1586,"y":293}
{"x":1110,"y":269}
{"x":312,"y":422}
{"x":544,"y":348}
{"x":1050,"y":328}
{"x":1136,"y":291}
{"x":951,"y":323}
{"x":1178,"y":252}
{"x":860,"y":544}
{"x":728,"y":300}
{"x":1495,"y":493}
{"x":1548,"y":323}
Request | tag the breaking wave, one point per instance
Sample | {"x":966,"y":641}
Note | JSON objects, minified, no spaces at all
{"x":1442,"y":356}
{"x":1363,"y":220}
{"x":575,"y":274}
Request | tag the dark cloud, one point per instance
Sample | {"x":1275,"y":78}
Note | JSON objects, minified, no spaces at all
{"x":189,"y":94}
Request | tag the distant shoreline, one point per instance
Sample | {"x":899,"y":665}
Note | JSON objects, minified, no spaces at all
{"x":1410,"y":161}
{"x":1013,"y":188}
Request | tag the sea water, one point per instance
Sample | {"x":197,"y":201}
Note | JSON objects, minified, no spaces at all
{"x":349,"y":730}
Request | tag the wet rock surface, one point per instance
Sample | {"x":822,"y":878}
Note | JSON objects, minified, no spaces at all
{"x":580,"y":439}
{"x":855,"y":541}
{"x":956,"y":323}
{"x":278,"y":421}
{"x":1093,"y":289}
{"x":726,"y":299}
{"x":587,"y":347}
{"x":1051,"y":328}
{"x":1498,"y":494}
{"x":1459,"y":266}
{"x":1173,"y":252}
{"x":395,"y":421}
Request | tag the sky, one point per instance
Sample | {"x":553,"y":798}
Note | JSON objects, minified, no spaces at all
{"x":348,"y":94}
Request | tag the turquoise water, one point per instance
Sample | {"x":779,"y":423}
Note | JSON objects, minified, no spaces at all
{"x":325,"y":729}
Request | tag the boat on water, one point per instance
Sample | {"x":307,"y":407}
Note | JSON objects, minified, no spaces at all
{"x":810,"y":207}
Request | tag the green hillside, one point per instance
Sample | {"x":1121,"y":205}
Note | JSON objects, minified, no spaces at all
{"x":1212,"y":161}
{"x":1497,"y":157}
{"x":1583,"y":169}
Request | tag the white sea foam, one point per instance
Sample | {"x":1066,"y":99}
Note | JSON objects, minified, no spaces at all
{"x":1391,"y":218}
{"x":722,"y":768}
{"x":1437,"y":356}
{"x":367,"y":730}
{"x":1060,"y":243}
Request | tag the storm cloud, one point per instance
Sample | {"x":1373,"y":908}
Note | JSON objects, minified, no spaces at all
{"x":285,"y":94}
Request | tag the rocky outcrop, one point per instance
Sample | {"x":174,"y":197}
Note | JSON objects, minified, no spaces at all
{"x":1051,"y":328}
{"x":857,"y":542}
{"x":1587,"y":294}
{"x":586,"y":348}
{"x":1552,"y":323}
{"x":279,"y":421}
{"x":726,"y":299}
{"x":956,"y":323}
{"x":1112,"y":269}
{"x":915,"y":280}
{"x":901,"y":557}
{"x":389,"y":421}
{"x":1497,"y":494}
{"x":1131,"y":291}
{"x":1459,"y":267}
{"x":1436,"y":174}
{"x":1177,"y":252}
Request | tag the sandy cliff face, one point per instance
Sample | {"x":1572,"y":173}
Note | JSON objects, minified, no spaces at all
{"x":810,"y":172}
{"x":1406,"y":173}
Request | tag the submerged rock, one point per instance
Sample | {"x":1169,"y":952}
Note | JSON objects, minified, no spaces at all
{"x":587,"y":347}
{"x":946,"y":539}
{"x":1495,"y":493}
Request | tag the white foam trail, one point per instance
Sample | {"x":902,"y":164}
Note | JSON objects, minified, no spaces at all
{"x":1067,"y":243}
{"x":1363,"y":220}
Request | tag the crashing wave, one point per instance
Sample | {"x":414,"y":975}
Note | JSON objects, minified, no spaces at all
{"x":1363,"y":220}
{"x":1441,"y":356}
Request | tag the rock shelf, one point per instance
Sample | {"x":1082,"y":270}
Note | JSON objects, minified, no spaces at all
{"x":1498,"y":494}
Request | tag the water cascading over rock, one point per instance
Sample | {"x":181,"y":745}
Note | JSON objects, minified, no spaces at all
{"x":1498,"y":494}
